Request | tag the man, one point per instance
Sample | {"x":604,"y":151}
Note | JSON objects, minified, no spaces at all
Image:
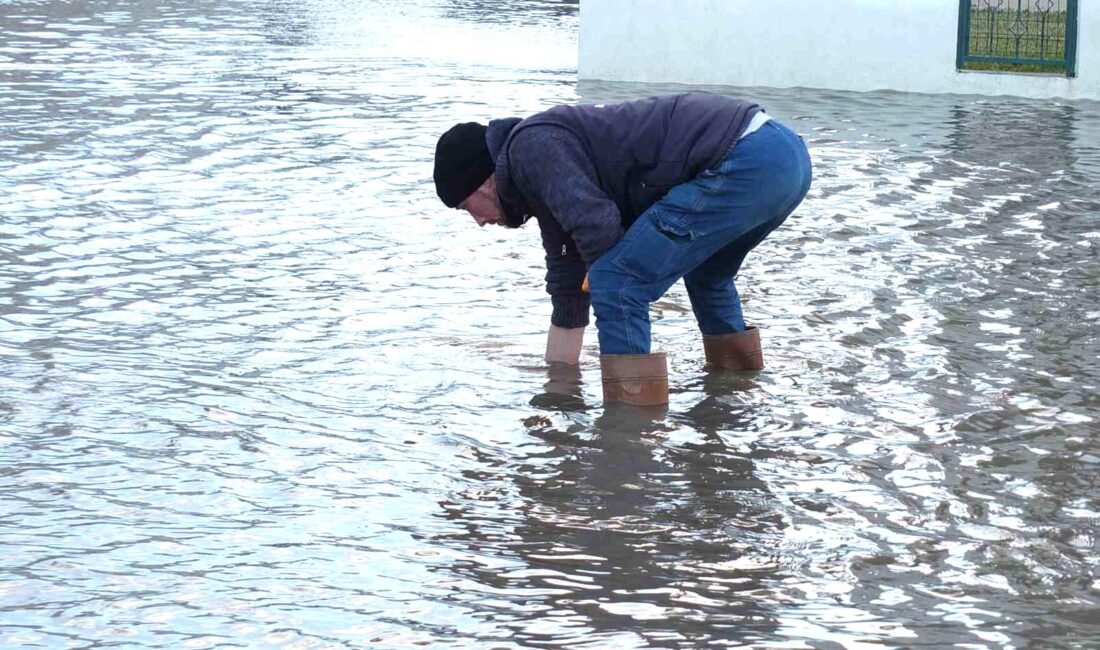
{"x":630,"y":198}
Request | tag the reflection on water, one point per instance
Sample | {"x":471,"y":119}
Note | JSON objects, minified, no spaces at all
{"x":630,"y":541}
{"x":258,"y":390}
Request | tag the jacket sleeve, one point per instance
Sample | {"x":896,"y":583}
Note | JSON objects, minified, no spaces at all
{"x":550,"y":165}
{"x":564,"y":276}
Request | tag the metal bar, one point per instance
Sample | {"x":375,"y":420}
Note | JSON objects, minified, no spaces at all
{"x":1017,"y":35}
{"x":1071,"y":38}
{"x":1043,"y":35}
{"x":992,"y":25}
{"x":963,"y":48}
{"x":1013,"y":60}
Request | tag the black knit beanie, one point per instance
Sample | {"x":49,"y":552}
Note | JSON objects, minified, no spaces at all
{"x":462,"y":163}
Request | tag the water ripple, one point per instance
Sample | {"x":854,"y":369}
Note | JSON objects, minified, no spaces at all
{"x":258,"y":390}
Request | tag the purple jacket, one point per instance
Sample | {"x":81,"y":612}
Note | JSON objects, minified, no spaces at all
{"x":587,"y":172}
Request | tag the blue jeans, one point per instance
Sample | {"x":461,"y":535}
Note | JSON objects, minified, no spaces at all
{"x":700,"y":231}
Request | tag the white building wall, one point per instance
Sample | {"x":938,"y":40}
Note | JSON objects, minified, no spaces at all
{"x":861,"y":45}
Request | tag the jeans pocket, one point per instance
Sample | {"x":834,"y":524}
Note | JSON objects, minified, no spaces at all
{"x":653,"y":248}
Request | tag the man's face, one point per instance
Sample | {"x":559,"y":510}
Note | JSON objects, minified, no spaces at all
{"x":483,"y":205}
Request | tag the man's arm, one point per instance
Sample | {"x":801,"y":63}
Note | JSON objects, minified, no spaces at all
{"x":563,"y":345}
{"x":551,"y":165}
{"x":564,"y":280}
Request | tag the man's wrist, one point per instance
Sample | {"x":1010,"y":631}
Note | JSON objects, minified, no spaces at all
{"x":563,"y":344}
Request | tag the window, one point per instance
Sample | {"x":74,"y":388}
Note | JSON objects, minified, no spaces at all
{"x":1018,"y":36}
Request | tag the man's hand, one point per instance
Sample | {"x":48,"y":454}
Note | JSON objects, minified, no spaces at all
{"x":563,"y":345}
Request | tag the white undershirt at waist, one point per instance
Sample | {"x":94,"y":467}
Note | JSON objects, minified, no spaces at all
{"x":757,"y":121}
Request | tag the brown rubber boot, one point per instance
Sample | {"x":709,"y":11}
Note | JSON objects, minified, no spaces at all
{"x":636,"y":379}
{"x":738,"y":351}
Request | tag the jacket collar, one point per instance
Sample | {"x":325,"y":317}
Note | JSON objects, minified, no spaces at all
{"x":497,"y":137}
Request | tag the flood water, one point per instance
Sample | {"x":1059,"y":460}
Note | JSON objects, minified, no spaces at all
{"x":259,"y":389}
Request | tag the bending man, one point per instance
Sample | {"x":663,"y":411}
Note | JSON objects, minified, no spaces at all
{"x":630,"y":198}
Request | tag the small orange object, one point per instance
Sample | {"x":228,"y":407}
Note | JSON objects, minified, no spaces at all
{"x":584,"y":285}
